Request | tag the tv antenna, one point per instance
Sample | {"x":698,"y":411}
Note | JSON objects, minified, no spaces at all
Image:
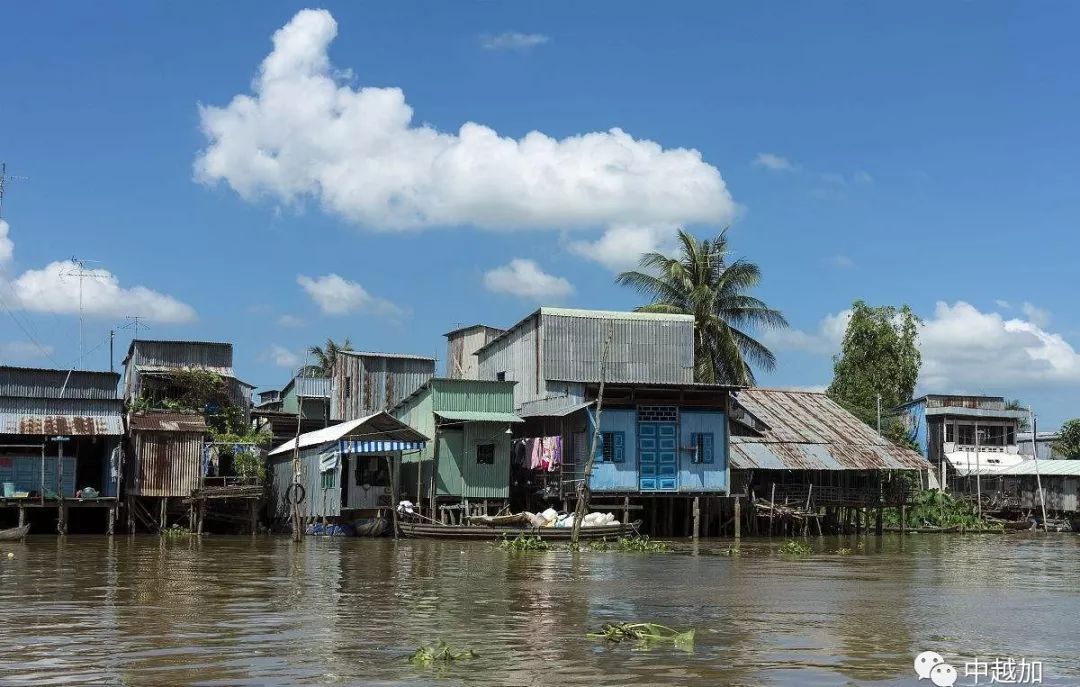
{"x":78,"y":269}
{"x":134,"y":323}
{"x":4,"y":179}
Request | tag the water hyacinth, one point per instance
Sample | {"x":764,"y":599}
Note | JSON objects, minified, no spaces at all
{"x":647,"y":633}
{"x":426,"y":655}
{"x":795,"y":548}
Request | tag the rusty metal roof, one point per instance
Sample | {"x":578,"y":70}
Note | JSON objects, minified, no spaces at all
{"x":61,"y":425}
{"x":167,"y":422}
{"x":804,"y":430}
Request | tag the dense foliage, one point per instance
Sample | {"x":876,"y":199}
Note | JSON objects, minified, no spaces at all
{"x":702,"y":281}
{"x":1068,"y":441}
{"x":934,"y":508}
{"x":880,"y":356}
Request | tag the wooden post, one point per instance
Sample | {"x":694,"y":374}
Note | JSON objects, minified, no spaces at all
{"x":738,"y":519}
{"x":697,"y":520}
{"x":393,"y":491}
{"x":22,"y":516}
{"x":61,"y":521}
{"x":163,"y":521}
{"x":581,"y":508}
{"x":625,"y":510}
{"x":110,"y":522}
{"x":879,"y":525}
{"x":903,"y":519}
{"x":772,"y":507}
{"x":202,"y":516}
{"x":253,"y":514}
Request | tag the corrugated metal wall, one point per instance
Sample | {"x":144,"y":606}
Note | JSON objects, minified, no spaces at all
{"x":16,"y":381}
{"x":363,"y":385}
{"x":642,"y":350}
{"x":164,"y":463}
{"x":461,"y":347}
{"x":183,"y":354}
{"x":474,"y":395}
{"x":318,"y":502}
{"x":486,"y":481}
{"x":518,"y":356}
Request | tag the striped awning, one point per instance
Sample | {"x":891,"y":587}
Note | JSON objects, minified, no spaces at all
{"x":352,"y":446}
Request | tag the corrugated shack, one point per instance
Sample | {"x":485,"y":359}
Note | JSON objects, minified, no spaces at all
{"x":663,"y":438}
{"x":367,"y":383}
{"x":795,"y":452}
{"x":461,"y":347}
{"x":347,"y":471}
{"x":466,"y":466}
{"x":150,"y":368}
{"x":60,"y":433}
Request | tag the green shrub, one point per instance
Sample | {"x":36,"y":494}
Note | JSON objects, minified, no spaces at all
{"x":795,"y":548}
{"x":643,"y":544}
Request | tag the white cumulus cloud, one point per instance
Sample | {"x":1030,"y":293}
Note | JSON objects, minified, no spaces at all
{"x":525,"y":278}
{"x":513,"y":40}
{"x":55,"y":288}
{"x":621,"y":246}
{"x":283,"y":357}
{"x":301,"y":134}
{"x":336,"y":295}
{"x":21,"y":351}
{"x":963,"y":349}
{"x":1037,"y":315}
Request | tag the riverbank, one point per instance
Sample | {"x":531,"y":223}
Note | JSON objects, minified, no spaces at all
{"x":227,"y":610}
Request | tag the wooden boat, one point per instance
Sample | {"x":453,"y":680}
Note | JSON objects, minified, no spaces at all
{"x":15,"y":533}
{"x":438,"y":531}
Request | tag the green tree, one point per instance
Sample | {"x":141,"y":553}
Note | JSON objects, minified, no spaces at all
{"x":325,"y":356}
{"x":702,"y":281}
{"x":1024,"y":423}
{"x":1068,"y":441}
{"x":880,"y":356}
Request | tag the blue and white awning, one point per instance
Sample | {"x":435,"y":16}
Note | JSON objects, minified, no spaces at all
{"x":352,"y":446}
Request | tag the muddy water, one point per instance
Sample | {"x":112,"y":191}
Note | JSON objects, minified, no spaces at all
{"x":225,"y":611}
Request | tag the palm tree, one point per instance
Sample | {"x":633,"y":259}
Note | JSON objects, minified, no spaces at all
{"x":326,"y":356}
{"x":701,"y":282}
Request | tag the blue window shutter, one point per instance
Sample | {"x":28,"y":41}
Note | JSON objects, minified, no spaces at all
{"x":618,"y":454}
{"x":708,"y":457}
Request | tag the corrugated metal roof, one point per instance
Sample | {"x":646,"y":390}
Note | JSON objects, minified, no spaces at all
{"x":1045,"y":467}
{"x":167,"y":422}
{"x":806,"y":430}
{"x":477,"y":416}
{"x":377,"y":426}
{"x":613,"y":314}
{"x":226,"y":372}
{"x":961,"y":411}
{"x":474,"y":326}
{"x":372,"y":354}
{"x":552,"y":407}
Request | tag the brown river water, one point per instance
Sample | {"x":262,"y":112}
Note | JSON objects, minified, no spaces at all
{"x":263,"y":611}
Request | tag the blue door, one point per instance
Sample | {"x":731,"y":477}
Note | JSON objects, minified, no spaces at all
{"x":658,"y":453}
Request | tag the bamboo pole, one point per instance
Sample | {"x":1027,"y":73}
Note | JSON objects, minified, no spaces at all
{"x":772,"y":507}
{"x":738,"y":519}
{"x":697,"y":519}
{"x":1035,"y":456}
{"x":582,"y":505}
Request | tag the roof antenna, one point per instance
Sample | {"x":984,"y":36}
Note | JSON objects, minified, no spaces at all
{"x":4,"y":179}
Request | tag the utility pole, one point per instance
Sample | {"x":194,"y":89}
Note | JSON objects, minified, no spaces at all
{"x":297,"y":531}
{"x":4,"y":179}
{"x":581,"y":508}
{"x":978,"y":473}
{"x":1035,"y":457}
{"x":112,"y":338}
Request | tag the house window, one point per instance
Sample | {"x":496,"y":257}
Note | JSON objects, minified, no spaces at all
{"x":965,"y":435}
{"x":1010,"y":436}
{"x":500,"y":376}
{"x":485,"y":454}
{"x":612,"y":447}
{"x":703,"y":447}
{"x":329,"y":480}
{"x":950,"y":432}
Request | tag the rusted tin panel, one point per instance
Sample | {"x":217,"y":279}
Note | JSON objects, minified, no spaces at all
{"x":165,"y":463}
{"x":167,"y":422}
{"x":84,"y":417}
{"x":46,"y":383}
{"x":810,"y":431}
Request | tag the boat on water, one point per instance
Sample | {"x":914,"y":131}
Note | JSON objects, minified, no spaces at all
{"x":476,"y":530}
{"x":15,"y":533}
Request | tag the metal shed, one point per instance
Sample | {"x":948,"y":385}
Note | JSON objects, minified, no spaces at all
{"x":365,"y":383}
{"x":167,"y":454}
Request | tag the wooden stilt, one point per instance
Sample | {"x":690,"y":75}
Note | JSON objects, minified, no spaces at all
{"x":22,"y":516}
{"x":670,"y":516}
{"x":625,"y":510}
{"x":903,"y":519}
{"x":164,"y":515}
{"x":772,"y":508}
{"x":61,"y":520}
{"x":201,"y":515}
{"x":879,"y":525}
{"x":738,"y":519}
{"x":253,"y":514}
{"x":697,"y":519}
{"x":110,"y":522}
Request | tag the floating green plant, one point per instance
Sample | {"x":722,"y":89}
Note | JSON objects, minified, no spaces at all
{"x":642,"y":545}
{"x":732,"y":551}
{"x":522,"y":543}
{"x":844,"y":552}
{"x":795,"y":548}
{"x":648,"y":633}
{"x":176,"y":531}
{"x":426,"y":655}
{"x":598,"y":545}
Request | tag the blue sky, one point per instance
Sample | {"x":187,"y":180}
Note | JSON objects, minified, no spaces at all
{"x":921,"y":153}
